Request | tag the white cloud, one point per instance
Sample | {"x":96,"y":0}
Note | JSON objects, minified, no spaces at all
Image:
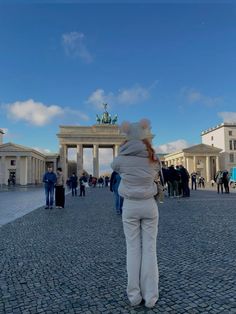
{"x":98,"y":97}
{"x":172,"y":147}
{"x":33,"y":112}
{"x":129,"y":96}
{"x":229,"y":117}
{"x":38,"y":114}
{"x":74,"y":45}
{"x":193,"y":96}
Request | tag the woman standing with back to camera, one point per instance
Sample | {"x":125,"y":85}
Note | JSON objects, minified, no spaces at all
{"x":137,"y":166}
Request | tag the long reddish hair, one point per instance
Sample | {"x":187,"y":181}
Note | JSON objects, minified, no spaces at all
{"x":151,"y":151}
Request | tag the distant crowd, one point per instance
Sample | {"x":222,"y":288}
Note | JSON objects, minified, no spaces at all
{"x":172,"y":181}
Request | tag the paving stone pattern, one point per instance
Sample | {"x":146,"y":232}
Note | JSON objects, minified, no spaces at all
{"x":73,"y":260}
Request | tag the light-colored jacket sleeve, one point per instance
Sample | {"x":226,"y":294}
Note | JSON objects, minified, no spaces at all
{"x":115,"y":165}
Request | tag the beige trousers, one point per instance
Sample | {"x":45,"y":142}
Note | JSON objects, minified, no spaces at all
{"x":140,"y":223}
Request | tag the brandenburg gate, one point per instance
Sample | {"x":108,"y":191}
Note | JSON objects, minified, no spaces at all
{"x":104,"y":134}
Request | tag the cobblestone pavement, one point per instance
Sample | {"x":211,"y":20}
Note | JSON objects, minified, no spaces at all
{"x":73,"y":260}
{"x":17,"y":201}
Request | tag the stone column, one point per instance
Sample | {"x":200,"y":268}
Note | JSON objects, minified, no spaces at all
{"x":29,"y":170}
{"x":115,"y":150}
{"x":217,"y":163}
{"x":187,"y":164}
{"x":194,"y":164}
{"x":18,"y":170}
{"x":95,"y":161}
{"x":63,"y":160}
{"x":80,"y":160}
{"x":3,"y":179}
{"x":208,"y":174}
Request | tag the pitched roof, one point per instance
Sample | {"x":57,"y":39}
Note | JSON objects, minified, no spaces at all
{"x":12,"y":147}
{"x":202,"y":148}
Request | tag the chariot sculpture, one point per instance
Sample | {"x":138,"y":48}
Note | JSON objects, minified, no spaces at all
{"x":106,"y":118}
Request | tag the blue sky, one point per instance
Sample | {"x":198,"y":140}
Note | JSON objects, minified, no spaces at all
{"x":173,"y":63}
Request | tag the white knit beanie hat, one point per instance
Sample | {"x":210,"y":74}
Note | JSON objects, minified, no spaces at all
{"x":136,"y":131}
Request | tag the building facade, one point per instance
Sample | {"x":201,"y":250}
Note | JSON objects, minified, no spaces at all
{"x":203,"y":159}
{"x":223,"y":136}
{"x":23,"y":165}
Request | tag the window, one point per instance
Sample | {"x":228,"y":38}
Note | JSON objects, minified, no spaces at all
{"x":231,"y":157}
{"x":13,"y":162}
{"x":231,"y":145}
{"x":230,"y":133}
{"x":212,"y":138}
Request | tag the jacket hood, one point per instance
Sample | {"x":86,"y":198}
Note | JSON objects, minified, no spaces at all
{"x":134,"y":148}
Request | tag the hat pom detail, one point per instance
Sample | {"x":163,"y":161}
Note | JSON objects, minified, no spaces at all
{"x":145,"y":123}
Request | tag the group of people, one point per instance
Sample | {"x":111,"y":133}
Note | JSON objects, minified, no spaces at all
{"x":54,"y":182}
{"x":177,"y":180}
{"x":222,"y":181}
{"x":197,"y":181}
{"x":54,"y":185}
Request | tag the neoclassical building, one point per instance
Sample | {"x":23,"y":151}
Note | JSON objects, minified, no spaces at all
{"x":23,"y":165}
{"x":203,"y":159}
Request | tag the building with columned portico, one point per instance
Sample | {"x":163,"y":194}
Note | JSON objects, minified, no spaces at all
{"x":23,"y":165}
{"x":201,"y":158}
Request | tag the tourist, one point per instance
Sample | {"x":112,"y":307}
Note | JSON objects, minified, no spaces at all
{"x":184,"y":181}
{"x":136,"y":164}
{"x":174,"y":179}
{"x":114,"y":185}
{"x":107,"y":180}
{"x":49,"y":180}
{"x":100,"y":182}
{"x":194,"y":180}
{"x":59,"y":189}
{"x":82,"y":181}
{"x":225,"y":180}
{"x":73,"y":184}
{"x":219,"y":182}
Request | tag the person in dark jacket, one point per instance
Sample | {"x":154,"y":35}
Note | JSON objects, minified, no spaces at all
{"x":194,"y":180}
{"x":82,"y":181}
{"x":114,"y":185}
{"x":185,"y":181}
{"x":174,"y":179}
{"x":73,"y":184}
{"x":49,"y":180}
{"x":225,"y":180}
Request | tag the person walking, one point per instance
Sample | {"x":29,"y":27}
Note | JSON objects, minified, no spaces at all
{"x":225,"y":181}
{"x":73,"y":184}
{"x":219,"y":182}
{"x":82,"y":182}
{"x":137,"y":165}
{"x":49,"y":179}
{"x":194,"y":180}
{"x":59,"y":189}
